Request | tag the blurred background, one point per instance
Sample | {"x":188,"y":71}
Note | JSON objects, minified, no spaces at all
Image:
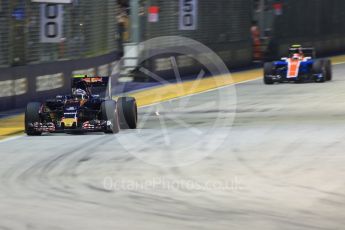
{"x":43,"y":43}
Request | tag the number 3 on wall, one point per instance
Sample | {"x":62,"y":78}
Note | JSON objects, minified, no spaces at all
{"x":51,"y":23}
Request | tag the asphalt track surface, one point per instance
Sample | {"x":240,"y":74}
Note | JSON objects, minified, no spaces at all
{"x":278,"y":165}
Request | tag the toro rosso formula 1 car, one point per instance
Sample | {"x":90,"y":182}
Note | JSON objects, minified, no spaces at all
{"x":300,"y":66}
{"x":84,"y":110}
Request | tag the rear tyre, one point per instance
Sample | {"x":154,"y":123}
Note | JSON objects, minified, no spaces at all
{"x":109,"y":113}
{"x":319,"y":68}
{"x":269,"y":70}
{"x":32,"y":115}
{"x":128,"y":112}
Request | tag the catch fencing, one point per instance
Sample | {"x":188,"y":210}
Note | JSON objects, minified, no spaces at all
{"x":317,"y":23}
{"x":36,"y":65}
{"x":89,"y":30}
{"x":222,"y":25}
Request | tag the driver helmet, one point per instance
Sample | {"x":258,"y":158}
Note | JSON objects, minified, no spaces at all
{"x":296,"y":56}
{"x":79,"y":94}
{"x":296,"y":51}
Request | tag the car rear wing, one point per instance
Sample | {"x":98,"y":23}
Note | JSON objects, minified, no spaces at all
{"x":93,"y":85}
{"x":308,"y":52}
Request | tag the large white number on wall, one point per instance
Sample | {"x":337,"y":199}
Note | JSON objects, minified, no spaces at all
{"x":51,"y":23}
{"x":188,"y":14}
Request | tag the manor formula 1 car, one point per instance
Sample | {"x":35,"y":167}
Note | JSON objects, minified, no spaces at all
{"x":300,"y":66}
{"x":82,"y":110}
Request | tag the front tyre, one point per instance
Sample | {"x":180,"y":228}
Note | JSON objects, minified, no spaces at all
{"x":128,"y":112}
{"x":269,"y":70}
{"x":32,"y":115}
{"x":319,"y":68}
{"x":328,"y":67}
{"x":109,"y":114}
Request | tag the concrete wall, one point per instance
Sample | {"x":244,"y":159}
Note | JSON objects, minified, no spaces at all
{"x":19,"y":85}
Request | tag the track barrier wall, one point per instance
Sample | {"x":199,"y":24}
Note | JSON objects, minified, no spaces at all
{"x":22,"y":84}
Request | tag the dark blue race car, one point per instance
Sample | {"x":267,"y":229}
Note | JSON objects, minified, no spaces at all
{"x":89,"y":108}
{"x":300,"y":66}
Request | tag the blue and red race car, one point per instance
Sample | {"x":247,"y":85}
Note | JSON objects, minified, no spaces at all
{"x":89,"y":108}
{"x":300,"y":66}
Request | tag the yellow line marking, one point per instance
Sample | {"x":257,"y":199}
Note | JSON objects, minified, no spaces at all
{"x":338,"y":59}
{"x":14,"y":126}
{"x":11,"y":126}
{"x":176,"y":90}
